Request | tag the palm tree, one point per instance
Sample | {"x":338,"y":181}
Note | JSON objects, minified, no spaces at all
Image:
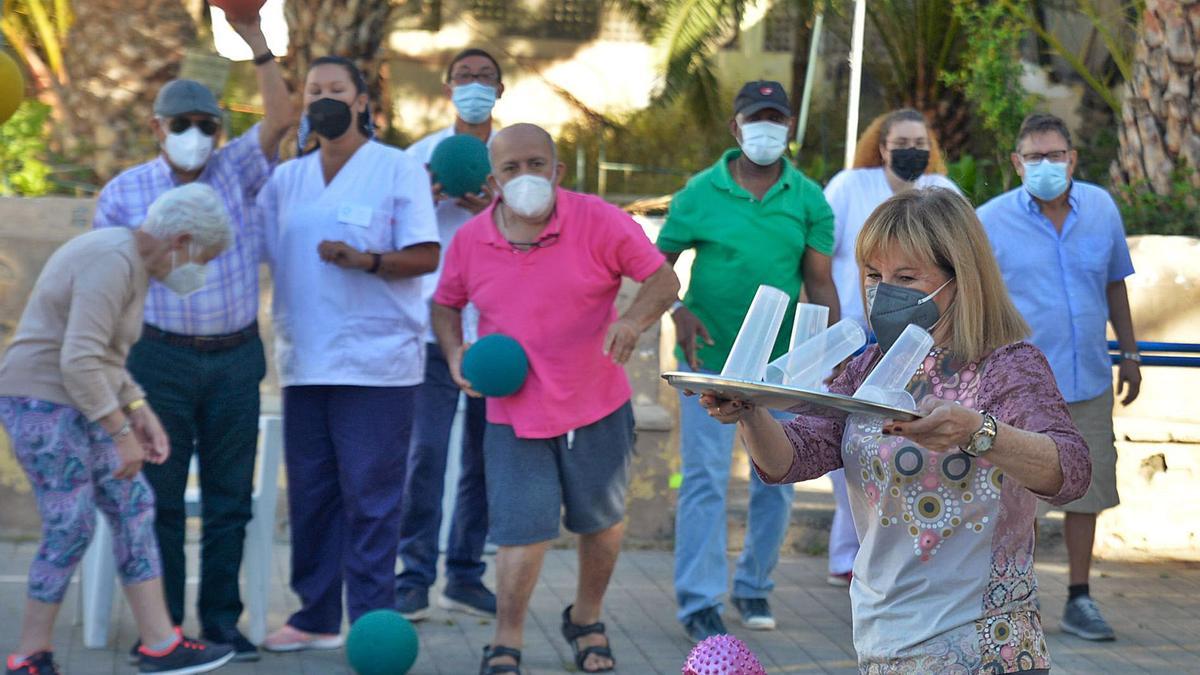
{"x":117,"y":55}
{"x":1157,"y":134}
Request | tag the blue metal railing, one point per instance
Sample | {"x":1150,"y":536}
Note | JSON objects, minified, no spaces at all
{"x":1164,"y":347}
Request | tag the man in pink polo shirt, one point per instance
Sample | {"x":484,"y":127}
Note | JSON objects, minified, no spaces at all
{"x":543,"y":265}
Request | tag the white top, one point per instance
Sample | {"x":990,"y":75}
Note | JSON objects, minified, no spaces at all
{"x":336,"y":326}
{"x":853,"y":194}
{"x":450,"y":217}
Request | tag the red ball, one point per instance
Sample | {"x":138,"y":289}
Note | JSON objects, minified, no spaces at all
{"x":722,"y":655}
{"x":239,"y":10}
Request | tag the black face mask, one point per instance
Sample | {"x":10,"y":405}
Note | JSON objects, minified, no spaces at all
{"x":329,"y":117}
{"x":909,"y":163}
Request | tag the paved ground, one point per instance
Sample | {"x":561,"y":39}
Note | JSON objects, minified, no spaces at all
{"x":1155,"y":608}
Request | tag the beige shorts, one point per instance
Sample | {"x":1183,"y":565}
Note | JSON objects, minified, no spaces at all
{"x":1094,"y":419}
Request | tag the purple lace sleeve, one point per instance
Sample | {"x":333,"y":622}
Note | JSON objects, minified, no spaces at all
{"x":816,"y":432}
{"x":1018,"y":387}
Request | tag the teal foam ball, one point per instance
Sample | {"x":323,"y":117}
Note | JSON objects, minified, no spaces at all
{"x":382,"y":643}
{"x":460,"y":163}
{"x":496,"y":365}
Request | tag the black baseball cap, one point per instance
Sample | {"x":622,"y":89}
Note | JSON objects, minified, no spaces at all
{"x":761,"y":94}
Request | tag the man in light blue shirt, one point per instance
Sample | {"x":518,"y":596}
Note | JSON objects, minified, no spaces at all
{"x":1061,"y":246}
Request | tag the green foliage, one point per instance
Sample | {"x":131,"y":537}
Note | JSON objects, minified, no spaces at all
{"x":990,"y":76}
{"x":1177,"y":212}
{"x":666,"y":137}
{"x":23,"y":170}
{"x":979,"y":179}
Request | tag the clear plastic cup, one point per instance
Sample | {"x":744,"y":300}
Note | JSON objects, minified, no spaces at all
{"x":806,"y":365}
{"x":897,"y":367}
{"x":752,"y":347}
{"x":810,"y":320}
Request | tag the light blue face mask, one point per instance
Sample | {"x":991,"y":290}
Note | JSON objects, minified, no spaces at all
{"x":474,"y":102}
{"x":1045,"y":179}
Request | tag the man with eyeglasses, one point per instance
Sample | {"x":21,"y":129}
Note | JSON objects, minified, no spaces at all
{"x":200,"y":358}
{"x":544,"y":266}
{"x":1061,"y":246}
{"x":473,"y":83}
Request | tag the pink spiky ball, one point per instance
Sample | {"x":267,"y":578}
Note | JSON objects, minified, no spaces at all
{"x":722,"y":655}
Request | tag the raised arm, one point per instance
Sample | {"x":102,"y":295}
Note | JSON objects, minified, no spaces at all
{"x":279,"y":112}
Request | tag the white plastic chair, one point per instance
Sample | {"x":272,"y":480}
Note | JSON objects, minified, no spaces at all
{"x":98,"y":570}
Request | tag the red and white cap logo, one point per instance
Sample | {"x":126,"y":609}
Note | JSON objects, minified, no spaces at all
{"x":766,"y":91}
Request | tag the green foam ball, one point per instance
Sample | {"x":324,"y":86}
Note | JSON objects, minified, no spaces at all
{"x":460,"y":163}
{"x":382,"y":643}
{"x":496,"y":365}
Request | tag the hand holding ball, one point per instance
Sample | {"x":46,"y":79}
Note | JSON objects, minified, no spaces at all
{"x":496,"y":365}
{"x":460,"y":163}
{"x":12,"y":87}
{"x":382,"y":643}
{"x":239,"y":11}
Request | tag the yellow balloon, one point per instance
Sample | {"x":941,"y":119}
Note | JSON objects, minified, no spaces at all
{"x":12,"y":87}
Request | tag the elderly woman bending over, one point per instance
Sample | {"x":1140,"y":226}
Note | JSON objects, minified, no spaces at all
{"x":945,"y":504}
{"x":80,"y":426}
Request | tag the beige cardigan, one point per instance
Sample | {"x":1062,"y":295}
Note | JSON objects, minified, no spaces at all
{"x":83,"y":315}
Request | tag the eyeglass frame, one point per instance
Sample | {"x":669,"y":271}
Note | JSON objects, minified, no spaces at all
{"x":489,"y":78}
{"x":1055,"y":157}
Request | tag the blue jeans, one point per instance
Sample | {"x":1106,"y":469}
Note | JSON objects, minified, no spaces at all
{"x":421,"y":516}
{"x":701,"y":571}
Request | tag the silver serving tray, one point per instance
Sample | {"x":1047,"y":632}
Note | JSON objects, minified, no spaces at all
{"x":779,"y":397}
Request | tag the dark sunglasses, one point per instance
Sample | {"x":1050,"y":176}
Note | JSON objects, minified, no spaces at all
{"x":178,"y":125}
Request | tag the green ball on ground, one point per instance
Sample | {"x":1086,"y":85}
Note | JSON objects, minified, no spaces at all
{"x":382,"y":643}
{"x":460,"y":163}
{"x":496,"y":365}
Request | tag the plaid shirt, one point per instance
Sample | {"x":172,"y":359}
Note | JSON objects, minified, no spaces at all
{"x":228,"y":302}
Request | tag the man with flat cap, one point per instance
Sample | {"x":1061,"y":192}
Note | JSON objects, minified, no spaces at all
{"x":200,"y":358}
{"x":753,"y":219}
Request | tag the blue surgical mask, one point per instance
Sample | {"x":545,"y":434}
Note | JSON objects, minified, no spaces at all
{"x":1045,"y":179}
{"x":474,"y":102}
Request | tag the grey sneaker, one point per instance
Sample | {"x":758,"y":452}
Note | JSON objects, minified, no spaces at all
{"x":475,"y":600}
{"x":1082,"y":617}
{"x":755,"y":613}
{"x":704,"y":624}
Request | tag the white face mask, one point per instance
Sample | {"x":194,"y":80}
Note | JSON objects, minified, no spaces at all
{"x":529,"y":196}
{"x":188,"y":150}
{"x":186,"y":278}
{"x":763,"y":142}
{"x":474,"y":101}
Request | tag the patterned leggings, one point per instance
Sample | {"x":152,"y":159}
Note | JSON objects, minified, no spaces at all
{"x":70,"y":464}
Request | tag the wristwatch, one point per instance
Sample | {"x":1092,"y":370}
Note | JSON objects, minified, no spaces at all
{"x":675,"y":306}
{"x":983,"y":438}
{"x":1132,"y":356}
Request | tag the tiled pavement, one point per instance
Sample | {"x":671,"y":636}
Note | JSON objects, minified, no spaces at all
{"x":1154,"y":607}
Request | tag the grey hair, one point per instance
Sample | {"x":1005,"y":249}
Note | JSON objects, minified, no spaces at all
{"x":193,"y":209}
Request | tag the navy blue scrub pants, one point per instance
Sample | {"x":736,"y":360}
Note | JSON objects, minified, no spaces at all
{"x":345,"y":449}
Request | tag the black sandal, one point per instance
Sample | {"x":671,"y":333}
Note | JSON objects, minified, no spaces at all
{"x":573,"y":631}
{"x":490,"y":652}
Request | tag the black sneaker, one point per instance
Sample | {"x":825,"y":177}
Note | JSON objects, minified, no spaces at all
{"x":413,"y":603}
{"x":704,"y":624}
{"x":243,"y":649}
{"x":41,"y":663}
{"x":476,"y":600}
{"x":755,"y":613}
{"x":185,"y":658}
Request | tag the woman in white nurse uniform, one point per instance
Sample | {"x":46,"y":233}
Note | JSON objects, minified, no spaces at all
{"x":348,"y":229}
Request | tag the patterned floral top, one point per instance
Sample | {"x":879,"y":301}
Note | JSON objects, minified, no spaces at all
{"x":944,"y":579}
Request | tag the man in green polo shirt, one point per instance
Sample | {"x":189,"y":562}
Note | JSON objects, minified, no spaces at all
{"x":753,"y":219}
